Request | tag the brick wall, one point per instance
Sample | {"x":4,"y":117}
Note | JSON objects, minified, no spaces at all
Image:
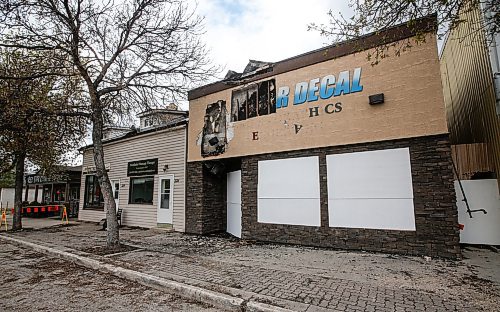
{"x":436,"y":215}
{"x":205,"y":200}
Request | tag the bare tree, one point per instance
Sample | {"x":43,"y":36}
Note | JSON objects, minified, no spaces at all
{"x":130,"y":54}
{"x":375,"y":15}
{"x":35,"y":122}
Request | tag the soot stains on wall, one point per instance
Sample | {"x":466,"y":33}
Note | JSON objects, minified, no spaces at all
{"x":255,"y":100}
{"x":214,"y":140}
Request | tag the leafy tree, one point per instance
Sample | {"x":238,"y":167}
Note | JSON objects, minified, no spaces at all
{"x":131,"y":55}
{"x":35,"y":123}
{"x":375,"y":15}
{"x":7,"y":180}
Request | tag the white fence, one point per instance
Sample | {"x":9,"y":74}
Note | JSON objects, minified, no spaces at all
{"x":481,"y":228}
{"x":7,"y":196}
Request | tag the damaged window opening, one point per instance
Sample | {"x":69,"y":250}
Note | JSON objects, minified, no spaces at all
{"x":255,"y":100}
{"x":214,"y":131}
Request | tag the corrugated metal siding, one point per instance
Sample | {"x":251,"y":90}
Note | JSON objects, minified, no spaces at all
{"x":471,"y":158}
{"x":169,"y":146}
{"x":468,"y":88}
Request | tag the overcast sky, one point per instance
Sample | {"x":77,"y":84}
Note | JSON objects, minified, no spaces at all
{"x":264,"y":30}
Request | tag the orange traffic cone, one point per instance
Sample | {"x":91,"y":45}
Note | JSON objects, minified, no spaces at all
{"x":65,"y":215}
{"x":4,"y":219}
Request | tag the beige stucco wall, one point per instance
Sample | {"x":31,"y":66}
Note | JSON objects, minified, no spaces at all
{"x":413,"y":107}
{"x":169,"y":146}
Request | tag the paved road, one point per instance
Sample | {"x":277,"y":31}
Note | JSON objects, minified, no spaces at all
{"x":34,"y":282}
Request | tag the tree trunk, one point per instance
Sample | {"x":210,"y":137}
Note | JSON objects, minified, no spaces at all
{"x":18,"y":192}
{"x":112,"y":239}
{"x":27,"y":192}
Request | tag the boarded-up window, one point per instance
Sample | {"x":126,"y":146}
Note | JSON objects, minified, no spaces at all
{"x":371,"y":190}
{"x":288,"y":191}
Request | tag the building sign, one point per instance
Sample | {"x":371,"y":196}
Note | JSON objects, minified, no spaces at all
{"x":41,"y":179}
{"x":324,"y":88}
{"x":260,"y":98}
{"x":142,"y":167}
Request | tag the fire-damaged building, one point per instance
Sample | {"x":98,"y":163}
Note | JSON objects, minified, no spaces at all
{"x":326,"y":149}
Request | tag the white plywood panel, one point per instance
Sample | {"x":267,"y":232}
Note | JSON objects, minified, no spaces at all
{"x":481,"y":228}
{"x":289,"y":178}
{"x":234,"y":187}
{"x":372,"y":174}
{"x":387,"y":214}
{"x":234,"y":203}
{"x":234,"y":219}
{"x":371,"y":190}
{"x":293,"y":211}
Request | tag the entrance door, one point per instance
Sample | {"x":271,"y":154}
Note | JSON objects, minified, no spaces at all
{"x":165,"y":198}
{"x":234,"y":203}
{"x":115,"y":186}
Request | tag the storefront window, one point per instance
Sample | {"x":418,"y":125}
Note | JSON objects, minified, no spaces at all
{"x":141,"y":190}
{"x":59,"y":193}
{"x":93,"y":195}
{"x":74,"y":192}
{"x":46,"y":198}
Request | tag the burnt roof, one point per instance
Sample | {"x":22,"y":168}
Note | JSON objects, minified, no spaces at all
{"x":389,"y":35}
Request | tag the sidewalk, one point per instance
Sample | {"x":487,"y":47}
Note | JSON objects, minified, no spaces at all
{"x":296,"y":278}
{"x":36,"y":223}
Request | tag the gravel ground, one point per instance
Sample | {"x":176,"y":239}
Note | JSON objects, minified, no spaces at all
{"x":36,"y":282}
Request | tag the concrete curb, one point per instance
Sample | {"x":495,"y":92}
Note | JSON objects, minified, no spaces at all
{"x":216,"y":299}
{"x":253,"y":306}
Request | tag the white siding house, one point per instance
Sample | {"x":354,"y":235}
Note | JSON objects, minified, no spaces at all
{"x":165,"y":147}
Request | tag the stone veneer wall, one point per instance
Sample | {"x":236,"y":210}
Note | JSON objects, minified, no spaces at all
{"x":205,"y":200}
{"x":436,"y":216}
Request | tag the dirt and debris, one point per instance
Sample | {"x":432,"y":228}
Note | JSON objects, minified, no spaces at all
{"x":103,"y":250}
{"x":37,"y":282}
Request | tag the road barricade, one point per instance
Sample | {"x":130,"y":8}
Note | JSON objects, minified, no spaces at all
{"x":40,"y":211}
